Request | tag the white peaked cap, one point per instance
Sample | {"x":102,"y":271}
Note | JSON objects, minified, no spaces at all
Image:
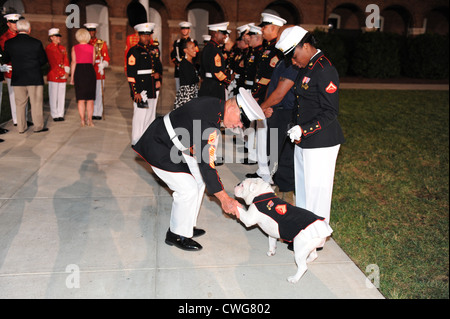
{"x":219,"y":26}
{"x":185,"y":24}
{"x":255,"y":29}
{"x":267,"y":18}
{"x":243,"y":28}
{"x":145,"y":27}
{"x":53,"y":31}
{"x":91,"y":25}
{"x":290,"y":38}
{"x":206,"y":37}
{"x":12,"y":17}
{"x":248,"y":104}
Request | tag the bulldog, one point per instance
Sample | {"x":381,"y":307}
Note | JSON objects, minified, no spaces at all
{"x":279,"y":219}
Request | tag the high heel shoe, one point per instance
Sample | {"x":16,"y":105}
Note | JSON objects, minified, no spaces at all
{"x":90,"y":123}
{"x":83,"y":124}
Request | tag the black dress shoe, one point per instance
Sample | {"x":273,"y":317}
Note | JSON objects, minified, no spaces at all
{"x":96,"y":117}
{"x":182,"y":242}
{"x":1,"y":141}
{"x":198,"y":232}
{"x":250,"y":175}
{"x":30,"y":123}
{"x":61,"y":119}
{"x":56,"y":119}
{"x":45,"y":129}
{"x":3,"y":130}
{"x":246,"y":161}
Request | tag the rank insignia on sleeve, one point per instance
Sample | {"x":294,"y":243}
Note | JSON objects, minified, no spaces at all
{"x":131,"y":60}
{"x":331,"y":88}
{"x":274,"y":61}
{"x":218,"y":60}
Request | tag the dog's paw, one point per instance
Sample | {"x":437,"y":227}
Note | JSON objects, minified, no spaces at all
{"x":293,"y":279}
{"x":271,"y":253}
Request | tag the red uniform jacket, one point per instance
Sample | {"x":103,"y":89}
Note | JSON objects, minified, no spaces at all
{"x":132,"y":40}
{"x":101,"y":54}
{"x":58,"y":59}
{"x":3,"y":38}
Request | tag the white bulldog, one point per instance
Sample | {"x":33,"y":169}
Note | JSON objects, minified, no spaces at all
{"x":279,"y":219}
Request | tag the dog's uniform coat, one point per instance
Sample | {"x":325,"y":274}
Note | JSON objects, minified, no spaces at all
{"x":291,"y":220}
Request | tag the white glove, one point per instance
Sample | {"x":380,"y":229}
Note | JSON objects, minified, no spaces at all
{"x":5,"y":68}
{"x":295,"y":133}
{"x":101,"y":66}
{"x":144,"y":96}
{"x":67,"y":69}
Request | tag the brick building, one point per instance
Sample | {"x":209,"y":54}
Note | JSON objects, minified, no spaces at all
{"x":408,"y":17}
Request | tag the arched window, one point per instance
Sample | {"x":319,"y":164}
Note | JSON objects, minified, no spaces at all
{"x":99,"y":14}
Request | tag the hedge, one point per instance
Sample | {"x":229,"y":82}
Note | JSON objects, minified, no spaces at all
{"x":386,"y":55}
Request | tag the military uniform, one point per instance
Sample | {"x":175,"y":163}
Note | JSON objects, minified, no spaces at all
{"x":12,"y":100}
{"x":143,"y":63}
{"x":238,"y":65}
{"x":269,"y":59}
{"x":213,"y":70}
{"x":188,"y":172}
{"x":57,"y":76}
{"x":317,"y":93}
{"x":101,"y":61}
{"x":291,"y":220}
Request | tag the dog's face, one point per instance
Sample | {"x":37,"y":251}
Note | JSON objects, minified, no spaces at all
{"x":249,"y":188}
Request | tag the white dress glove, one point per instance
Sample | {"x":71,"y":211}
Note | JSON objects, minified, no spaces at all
{"x":144,"y":96}
{"x":101,"y":66}
{"x":5,"y":68}
{"x":295,"y":133}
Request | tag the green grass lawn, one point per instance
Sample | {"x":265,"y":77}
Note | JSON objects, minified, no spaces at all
{"x":391,"y":199}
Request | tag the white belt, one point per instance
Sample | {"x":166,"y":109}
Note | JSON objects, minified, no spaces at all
{"x":208,"y":75}
{"x":249,"y":82}
{"x":149,"y":71}
{"x":173,"y":136}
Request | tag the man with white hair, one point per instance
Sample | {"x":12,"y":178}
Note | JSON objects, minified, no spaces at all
{"x":181,"y":149}
{"x":11,"y":21}
{"x":27,"y":57}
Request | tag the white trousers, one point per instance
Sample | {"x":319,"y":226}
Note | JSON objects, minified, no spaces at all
{"x":314,"y":177}
{"x":98,"y":103}
{"x":12,"y":101}
{"x":261,"y":150}
{"x":188,"y":191}
{"x":142,"y":118}
{"x":57,"y":98}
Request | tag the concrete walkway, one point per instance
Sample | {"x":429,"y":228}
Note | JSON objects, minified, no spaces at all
{"x":82,"y":217}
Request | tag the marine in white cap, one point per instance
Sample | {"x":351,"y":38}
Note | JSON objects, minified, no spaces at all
{"x":187,"y":164}
{"x":176,"y":55}
{"x":144,"y":73}
{"x":213,"y":67}
{"x":102,"y":60}
{"x":57,"y":75}
{"x":317,"y":133}
{"x":11,"y":20}
{"x":270,"y":25}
